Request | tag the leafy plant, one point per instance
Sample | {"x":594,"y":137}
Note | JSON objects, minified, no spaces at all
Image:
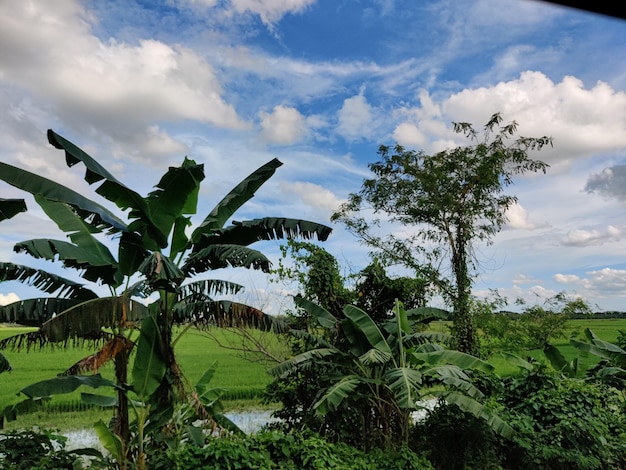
{"x":44,"y":450}
{"x":142,"y":267}
{"x":451,"y":199}
{"x":379,"y":375}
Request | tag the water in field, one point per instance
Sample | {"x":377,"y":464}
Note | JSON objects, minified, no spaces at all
{"x":248,"y":421}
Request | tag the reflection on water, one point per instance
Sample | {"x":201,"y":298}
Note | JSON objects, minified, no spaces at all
{"x":248,"y":421}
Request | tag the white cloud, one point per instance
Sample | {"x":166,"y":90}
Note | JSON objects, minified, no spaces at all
{"x":580,"y":237}
{"x":355,"y":118}
{"x":582,"y":122}
{"x":284,"y":125}
{"x":519,"y":218}
{"x":409,"y":135}
{"x":121,"y":89}
{"x":598,"y":284}
{"x":6,"y":299}
{"x":312,"y":195}
{"x":271,"y":11}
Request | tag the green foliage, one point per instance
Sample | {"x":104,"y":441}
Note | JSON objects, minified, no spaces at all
{"x":533,"y":328}
{"x":369,"y":381}
{"x":452,"y":198}
{"x":274,"y":450}
{"x":559,"y":422}
{"x":44,"y":450}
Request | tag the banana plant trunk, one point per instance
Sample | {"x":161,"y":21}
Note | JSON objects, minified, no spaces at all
{"x":122,"y":424}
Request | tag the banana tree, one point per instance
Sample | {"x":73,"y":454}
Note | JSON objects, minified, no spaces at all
{"x":385,"y":372}
{"x":8,"y":209}
{"x":155,"y":255}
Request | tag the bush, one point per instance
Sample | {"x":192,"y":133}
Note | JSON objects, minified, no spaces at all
{"x":560,"y":423}
{"x":43,"y":450}
{"x":275,"y":450}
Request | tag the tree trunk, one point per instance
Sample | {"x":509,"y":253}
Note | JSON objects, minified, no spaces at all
{"x":122,"y":423}
{"x":463,"y":325}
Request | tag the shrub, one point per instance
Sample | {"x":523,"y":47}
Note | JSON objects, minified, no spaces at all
{"x":43,"y":450}
{"x":275,"y":450}
{"x":560,"y":423}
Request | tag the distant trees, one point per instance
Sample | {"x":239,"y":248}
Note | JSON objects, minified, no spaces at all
{"x":448,"y":201}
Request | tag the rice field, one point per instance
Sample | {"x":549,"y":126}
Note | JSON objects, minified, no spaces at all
{"x":244,"y":378}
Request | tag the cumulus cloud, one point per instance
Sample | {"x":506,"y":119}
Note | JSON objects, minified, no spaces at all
{"x":582,"y":121}
{"x":519,"y":218}
{"x":312,"y":195}
{"x":89,"y":83}
{"x":355,"y":118}
{"x":284,"y":125}
{"x":6,"y":299}
{"x":580,"y":237}
{"x":610,"y":183}
{"x":602,"y":282}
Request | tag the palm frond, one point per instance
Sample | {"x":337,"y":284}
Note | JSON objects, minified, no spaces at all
{"x":227,"y":314}
{"x":335,"y":394}
{"x":11,"y":207}
{"x":90,"y":317}
{"x":225,"y":256}
{"x":45,"y":281}
{"x":32,"y":183}
{"x":291,"y":365}
{"x":473,"y":407}
{"x":405,"y":383}
{"x":268,"y":228}
{"x":35,"y":312}
{"x":107,"y":353}
{"x":239,"y":195}
{"x":93,"y":267}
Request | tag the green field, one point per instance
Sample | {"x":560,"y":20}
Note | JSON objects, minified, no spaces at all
{"x":243,"y":377}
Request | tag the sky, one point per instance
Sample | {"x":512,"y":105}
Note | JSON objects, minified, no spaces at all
{"x":320,"y":84}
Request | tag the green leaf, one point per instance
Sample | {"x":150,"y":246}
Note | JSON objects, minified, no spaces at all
{"x":225,"y":256}
{"x":203,"y":382}
{"x":90,"y":317}
{"x":111,"y":189}
{"x":291,"y":365}
{"x":79,"y":232}
{"x":98,"y":400}
{"x":66,"y":384}
{"x":4,"y":364}
{"x":176,"y":195}
{"x":45,"y":281}
{"x":149,"y":365}
{"x":35,"y":184}
{"x":405,"y":383}
{"x":239,"y":195}
{"x":111,"y":442}
{"x":364,"y":323}
{"x":321,"y":315}
{"x":335,"y":394}
{"x":473,"y":407}
{"x":267,"y":228}
{"x":95,"y":268}
{"x":11,"y":207}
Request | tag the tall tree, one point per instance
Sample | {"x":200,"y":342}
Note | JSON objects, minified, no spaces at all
{"x":155,"y":254}
{"x":449,"y":200}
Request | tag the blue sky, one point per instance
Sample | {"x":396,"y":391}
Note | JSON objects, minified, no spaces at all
{"x":320,"y":85}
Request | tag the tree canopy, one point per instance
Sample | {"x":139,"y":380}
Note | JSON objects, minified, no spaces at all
{"x":447,"y":201}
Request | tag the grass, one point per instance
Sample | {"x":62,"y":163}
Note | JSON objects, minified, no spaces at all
{"x":243,"y":378}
